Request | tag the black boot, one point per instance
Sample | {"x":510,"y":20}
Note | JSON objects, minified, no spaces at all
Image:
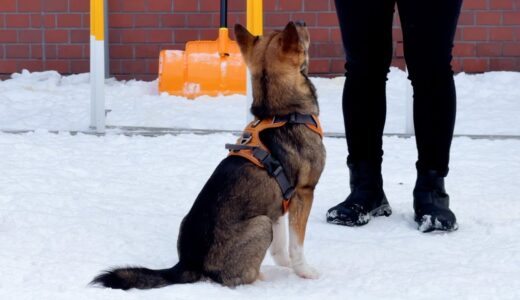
{"x":431,"y":203}
{"x":366,"y":198}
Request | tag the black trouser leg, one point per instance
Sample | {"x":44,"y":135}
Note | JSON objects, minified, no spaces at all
{"x":428,"y":32}
{"x":366,"y":28}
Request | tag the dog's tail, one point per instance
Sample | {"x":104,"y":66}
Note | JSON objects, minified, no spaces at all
{"x":143,"y":278}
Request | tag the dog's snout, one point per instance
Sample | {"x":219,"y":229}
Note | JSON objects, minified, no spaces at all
{"x":300,"y":23}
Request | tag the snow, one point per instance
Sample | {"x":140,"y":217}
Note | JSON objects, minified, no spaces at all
{"x":487,"y":104}
{"x":73,"y":205}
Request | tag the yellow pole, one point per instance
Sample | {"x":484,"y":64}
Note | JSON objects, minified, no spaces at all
{"x":255,"y":23}
{"x":97,"y":65}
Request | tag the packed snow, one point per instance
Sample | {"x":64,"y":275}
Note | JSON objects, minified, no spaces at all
{"x":73,"y":205}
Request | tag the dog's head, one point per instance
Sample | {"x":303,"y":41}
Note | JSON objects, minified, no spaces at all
{"x":278,"y":63}
{"x":280,"y":51}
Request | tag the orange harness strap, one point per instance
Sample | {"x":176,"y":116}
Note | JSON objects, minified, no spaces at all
{"x":250,"y":147}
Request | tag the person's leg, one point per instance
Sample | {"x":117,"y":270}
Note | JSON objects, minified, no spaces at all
{"x":366,"y":28}
{"x":428,"y":33}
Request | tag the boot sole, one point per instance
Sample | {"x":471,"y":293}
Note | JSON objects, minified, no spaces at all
{"x":383,"y":210}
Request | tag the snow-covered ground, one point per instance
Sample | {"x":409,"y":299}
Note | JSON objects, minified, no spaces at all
{"x":71,"y":206}
{"x":488,"y":104}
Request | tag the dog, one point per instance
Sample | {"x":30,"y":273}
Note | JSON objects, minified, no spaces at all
{"x":238,"y":214}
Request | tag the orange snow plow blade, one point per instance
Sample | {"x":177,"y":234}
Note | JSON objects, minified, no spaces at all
{"x":206,"y":68}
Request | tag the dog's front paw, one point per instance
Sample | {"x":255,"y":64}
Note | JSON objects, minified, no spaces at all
{"x":306,"y":271}
{"x":282,"y":259}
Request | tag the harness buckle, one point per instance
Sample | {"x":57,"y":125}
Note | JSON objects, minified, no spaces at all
{"x":245,"y":138}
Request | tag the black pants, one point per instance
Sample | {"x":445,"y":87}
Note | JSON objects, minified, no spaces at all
{"x":428,"y":31}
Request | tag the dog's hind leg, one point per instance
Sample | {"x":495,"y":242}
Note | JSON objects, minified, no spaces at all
{"x":299,"y":210}
{"x":238,"y":258}
{"x":279,"y":245}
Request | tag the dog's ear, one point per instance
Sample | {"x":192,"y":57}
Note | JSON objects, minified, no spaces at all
{"x":290,"y":38}
{"x":245,"y":39}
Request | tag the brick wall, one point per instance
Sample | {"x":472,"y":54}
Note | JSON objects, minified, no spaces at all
{"x":54,"y":34}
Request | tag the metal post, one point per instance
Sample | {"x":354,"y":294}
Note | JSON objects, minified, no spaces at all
{"x":97,"y":65}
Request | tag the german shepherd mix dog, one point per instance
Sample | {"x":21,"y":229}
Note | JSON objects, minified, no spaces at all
{"x":238,"y":214}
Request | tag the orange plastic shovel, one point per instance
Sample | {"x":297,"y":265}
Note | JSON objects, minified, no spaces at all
{"x":206,"y":67}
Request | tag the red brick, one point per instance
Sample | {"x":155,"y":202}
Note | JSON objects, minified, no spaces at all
{"x":467,"y":18}
{"x":8,"y":66}
{"x":159,"y":36}
{"x":211,"y":34}
{"x":17,"y":51}
{"x":31,"y":65}
{"x":30,"y":36}
{"x":160,"y":6}
{"x":136,"y":5}
{"x":174,"y":20}
{"x":464,"y":49}
{"x":120,"y":20}
{"x":237,"y":5}
{"x":133,"y":36}
{"x":512,"y":49}
{"x":182,"y":5}
{"x":17,"y":20}
{"x":121,"y":51}
{"x":277,"y":20}
{"x":489,"y":18}
{"x":70,"y":51}
{"x":502,"y":64}
{"x":7,"y":5}
{"x":80,"y":36}
{"x":399,"y":63}
{"x":319,"y":35}
{"x":8,"y":36}
{"x":474,"y":4}
{"x":399,"y":50}
{"x":456,"y":65}
{"x":2,"y":50}
{"x":115,"y":66}
{"x":51,"y":51}
{"x":152,"y":66}
{"x":147,"y":51}
{"x":316,"y":5}
{"x":57,"y":5}
{"x":185,"y":35}
{"x":209,"y":5}
{"x":80,"y":66}
{"x":36,"y":21}
{"x":29,"y":5}
{"x":512,"y":18}
{"x":501,"y":34}
{"x":290,"y":5}
{"x":309,"y":18}
{"x":36,"y":51}
{"x":61,"y":66}
{"x":199,"y":20}
{"x":82,"y":5}
{"x":335,"y":35}
{"x":489,"y":49}
{"x":475,"y":34}
{"x":269,"y":5}
{"x":329,"y":50}
{"x":471,"y":65}
{"x":133,"y":66}
{"x":319,"y":66}
{"x":49,"y":21}
{"x":327,"y":19}
{"x":501,"y":4}
{"x":337,"y":66}
{"x":147,"y":20}
{"x":56,"y":36}
{"x":69,"y":20}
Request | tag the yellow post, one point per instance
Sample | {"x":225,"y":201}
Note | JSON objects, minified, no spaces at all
{"x":255,"y":23}
{"x":97,"y":65}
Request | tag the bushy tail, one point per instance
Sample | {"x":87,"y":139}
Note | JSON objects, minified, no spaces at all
{"x":143,"y":278}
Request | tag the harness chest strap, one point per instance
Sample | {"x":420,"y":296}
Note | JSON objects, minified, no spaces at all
{"x":251,"y":147}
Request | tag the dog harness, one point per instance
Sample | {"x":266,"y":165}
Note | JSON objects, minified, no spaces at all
{"x":251,"y":147}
